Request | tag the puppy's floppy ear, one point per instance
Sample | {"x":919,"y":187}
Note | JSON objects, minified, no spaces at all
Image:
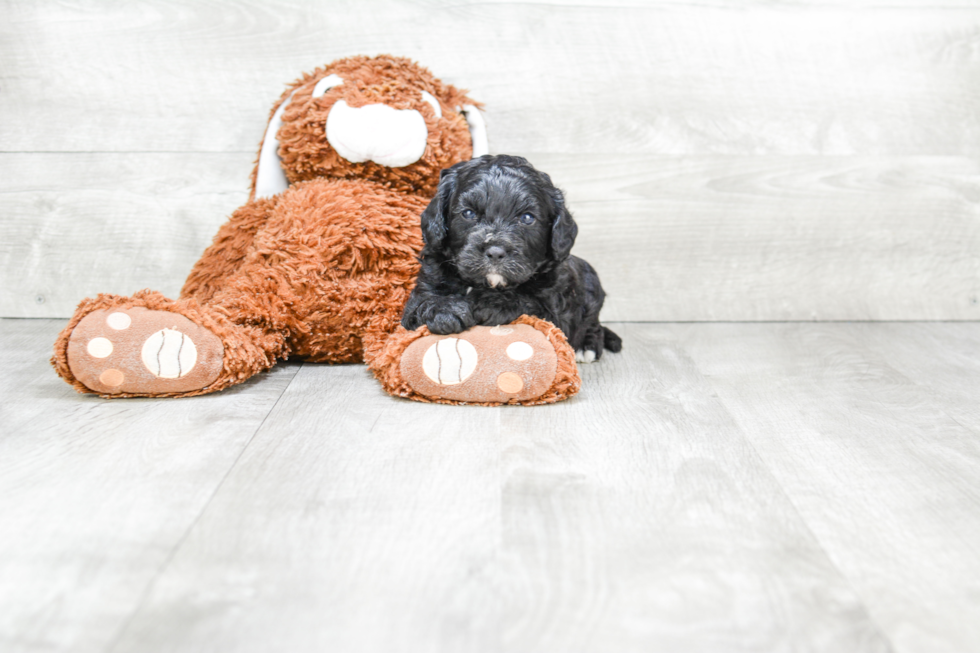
{"x":563,"y":227}
{"x":435,"y":218}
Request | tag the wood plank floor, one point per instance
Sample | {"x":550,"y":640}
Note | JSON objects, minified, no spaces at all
{"x":716,"y":487}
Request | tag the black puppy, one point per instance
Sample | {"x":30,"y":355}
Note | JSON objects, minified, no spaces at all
{"x":497,"y":241}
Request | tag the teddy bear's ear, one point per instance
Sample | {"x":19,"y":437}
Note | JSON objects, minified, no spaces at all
{"x":269,"y":177}
{"x":478,"y":129}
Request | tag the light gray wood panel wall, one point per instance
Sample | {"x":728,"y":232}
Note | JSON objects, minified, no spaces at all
{"x":673,"y":238}
{"x":663,"y":77}
{"x":778,"y":238}
{"x":76,"y":225}
{"x":127,"y":133}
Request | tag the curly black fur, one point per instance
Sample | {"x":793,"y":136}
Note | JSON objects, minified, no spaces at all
{"x":498,"y":239}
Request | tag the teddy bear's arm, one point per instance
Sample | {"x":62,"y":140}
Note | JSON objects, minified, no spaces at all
{"x":227,"y":250}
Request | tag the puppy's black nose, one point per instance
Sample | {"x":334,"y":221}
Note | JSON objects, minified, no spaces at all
{"x":495,"y":253}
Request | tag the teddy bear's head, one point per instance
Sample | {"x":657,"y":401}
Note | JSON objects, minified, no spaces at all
{"x":385,"y":119}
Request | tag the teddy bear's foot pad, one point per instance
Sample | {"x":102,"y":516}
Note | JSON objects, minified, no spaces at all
{"x":505,"y":364}
{"x":139,"y":351}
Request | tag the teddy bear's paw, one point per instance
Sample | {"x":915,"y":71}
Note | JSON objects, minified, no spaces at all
{"x":143,"y":352}
{"x":502,"y":364}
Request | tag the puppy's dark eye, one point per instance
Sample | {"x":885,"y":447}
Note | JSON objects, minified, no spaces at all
{"x":469,"y":214}
{"x":527,"y":218}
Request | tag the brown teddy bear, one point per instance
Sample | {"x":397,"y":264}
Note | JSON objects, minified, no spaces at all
{"x":320,"y":261}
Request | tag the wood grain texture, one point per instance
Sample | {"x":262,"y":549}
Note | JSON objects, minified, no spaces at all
{"x":778,"y":238}
{"x":756,"y":487}
{"x":355,"y":522}
{"x":673,"y":238}
{"x":875,"y":462}
{"x":638,"y":518}
{"x":95,"y":494}
{"x":75,"y":225}
{"x":664,"y":77}
{"x":943,"y":359}
{"x":632,"y":518}
{"x":727,"y":160}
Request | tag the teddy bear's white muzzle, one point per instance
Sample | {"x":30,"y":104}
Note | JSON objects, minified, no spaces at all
{"x":376,"y":132}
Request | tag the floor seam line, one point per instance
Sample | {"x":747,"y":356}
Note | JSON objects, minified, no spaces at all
{"x":183,"y":538}
{"x":744,"y":434}
{"x":806,"y":525}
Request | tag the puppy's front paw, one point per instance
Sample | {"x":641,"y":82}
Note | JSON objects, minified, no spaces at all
{"x":451,"y":318}
{"x":586,"y":356}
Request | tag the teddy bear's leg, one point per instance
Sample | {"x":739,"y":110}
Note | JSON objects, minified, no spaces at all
{"x":148,"y":345}
{"x":526,"y":362}
{"x":228,"y":250}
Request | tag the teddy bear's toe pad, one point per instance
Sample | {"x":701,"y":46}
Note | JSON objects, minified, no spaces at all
{"x":504,"y":364}
{"x":139,"y":351}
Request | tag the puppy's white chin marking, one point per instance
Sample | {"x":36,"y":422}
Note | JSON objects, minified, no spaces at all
{"x":496,"y":280}
{"x":585,"y":356}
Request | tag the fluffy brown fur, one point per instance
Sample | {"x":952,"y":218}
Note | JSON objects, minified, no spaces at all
{"x":323,"y":269}
{"x":387,"y":80}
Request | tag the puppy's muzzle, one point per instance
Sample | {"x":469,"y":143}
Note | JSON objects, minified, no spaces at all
{"x":495,"y":258}
{"x":495,"y":254}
